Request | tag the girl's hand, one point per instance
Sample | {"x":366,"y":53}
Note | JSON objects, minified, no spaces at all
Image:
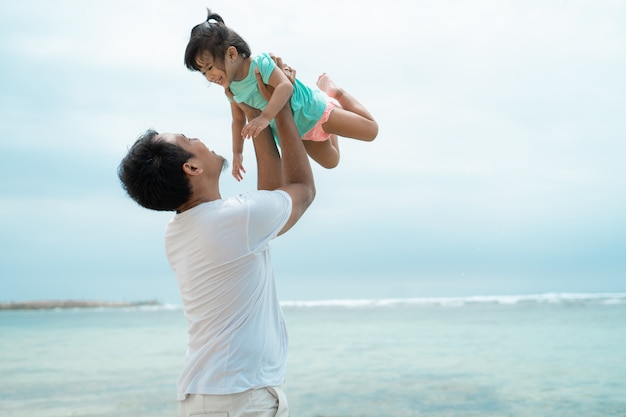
{"x":255,"y":126}
{"x":238,"y":169}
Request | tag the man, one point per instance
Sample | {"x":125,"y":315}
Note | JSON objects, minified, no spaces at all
{"x":218,"y":249}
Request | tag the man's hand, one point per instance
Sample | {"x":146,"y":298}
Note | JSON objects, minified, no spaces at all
{"x":289,"y":72}
{"x":266,"y":90}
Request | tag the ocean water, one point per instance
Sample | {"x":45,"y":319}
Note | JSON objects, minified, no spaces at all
{"x":552,"y":355}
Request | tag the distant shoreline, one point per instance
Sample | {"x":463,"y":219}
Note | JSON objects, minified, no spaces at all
{"x":54,"y":304}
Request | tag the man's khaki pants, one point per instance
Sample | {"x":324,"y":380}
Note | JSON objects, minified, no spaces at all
{"x":262,"y":402}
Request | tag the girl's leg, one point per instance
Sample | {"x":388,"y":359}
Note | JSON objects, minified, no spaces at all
{"x":353,"y":120}
{"x":325,"y":153}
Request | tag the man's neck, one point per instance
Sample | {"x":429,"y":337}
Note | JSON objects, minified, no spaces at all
{"x":196,"y":201}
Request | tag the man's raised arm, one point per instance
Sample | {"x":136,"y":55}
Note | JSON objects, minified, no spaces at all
{"x":293,"y":174}
{"x":296,"y":169}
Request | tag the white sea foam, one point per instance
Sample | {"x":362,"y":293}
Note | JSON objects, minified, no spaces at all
{"x":130,"y":309}
{"x":546,"y":298}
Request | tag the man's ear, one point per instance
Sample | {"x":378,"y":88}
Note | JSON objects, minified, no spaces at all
{"x":190,"y":168}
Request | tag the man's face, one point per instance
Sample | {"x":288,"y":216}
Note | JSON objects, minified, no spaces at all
{"x":206,"y":158}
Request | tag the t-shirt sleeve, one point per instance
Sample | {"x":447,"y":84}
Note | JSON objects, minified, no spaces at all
{"x":268,"y":213}
{"x":266,"y":66}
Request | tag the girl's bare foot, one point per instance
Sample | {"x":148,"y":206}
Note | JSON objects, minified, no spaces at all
{"x":327,"y":85}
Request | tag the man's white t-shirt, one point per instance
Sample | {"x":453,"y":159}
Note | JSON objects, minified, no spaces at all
{"x":220,"y":254}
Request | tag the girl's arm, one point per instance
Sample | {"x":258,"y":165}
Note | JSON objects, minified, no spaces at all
{"x":239,"y":121}
{"x":280,"y":96}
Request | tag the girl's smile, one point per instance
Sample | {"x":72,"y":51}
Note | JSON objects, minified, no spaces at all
{"x":234,"y":67}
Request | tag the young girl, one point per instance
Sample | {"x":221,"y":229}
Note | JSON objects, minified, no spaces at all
{"x":224,"y":58}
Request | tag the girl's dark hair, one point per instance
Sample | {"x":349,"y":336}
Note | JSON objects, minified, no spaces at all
{"x":214,"y":37}
{"x":152,"y":173}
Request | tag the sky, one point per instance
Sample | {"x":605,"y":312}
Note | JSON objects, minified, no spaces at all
{"x":498,"y":169}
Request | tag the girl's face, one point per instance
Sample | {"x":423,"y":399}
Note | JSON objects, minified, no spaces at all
{"x":222,"y":72}
{"x":212,"y":70}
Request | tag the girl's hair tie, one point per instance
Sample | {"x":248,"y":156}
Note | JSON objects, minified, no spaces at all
{"x":214,"y":18}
